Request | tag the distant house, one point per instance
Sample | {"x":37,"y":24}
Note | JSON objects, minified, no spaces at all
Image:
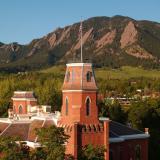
{"x":25,"y":116}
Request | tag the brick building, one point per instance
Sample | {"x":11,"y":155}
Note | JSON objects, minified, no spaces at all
{"x":23,"y":102}
{"x":79,"y":117}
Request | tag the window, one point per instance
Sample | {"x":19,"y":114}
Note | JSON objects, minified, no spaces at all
{"x":138,"y":152}
{"x":73,"y":75}
{"x":66,"y":106}
{"x":20,"y":109}
{"x":88,"y":107}
{"x":89,"y":76}
{"x":67,"y":76}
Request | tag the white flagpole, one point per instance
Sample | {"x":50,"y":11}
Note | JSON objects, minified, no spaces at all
{"x":81,"y":42}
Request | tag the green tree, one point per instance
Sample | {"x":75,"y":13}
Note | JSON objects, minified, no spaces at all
{"x":53,"y":139}
{"x":12,"y":150}
{"x":89,"y":152}
{"x":113,"y":111}
{"x":38,"y":154}
{"x":116,"y":113}
{"x":146,"y":114}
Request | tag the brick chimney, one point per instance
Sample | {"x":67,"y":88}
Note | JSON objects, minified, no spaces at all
{"x":146,"y":130}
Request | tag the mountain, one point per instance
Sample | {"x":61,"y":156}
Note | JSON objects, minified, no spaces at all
{"x":107,"y":41}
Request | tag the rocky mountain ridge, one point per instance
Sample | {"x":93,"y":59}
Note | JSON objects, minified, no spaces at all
{"x":111,"y":42}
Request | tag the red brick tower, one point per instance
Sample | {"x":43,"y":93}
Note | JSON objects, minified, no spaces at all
{"x":79,"y":113}
{"x":79,"y":95}
{"x":23,"y":102}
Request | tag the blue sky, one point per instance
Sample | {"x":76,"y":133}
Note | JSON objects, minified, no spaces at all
{"x":23,"y":20}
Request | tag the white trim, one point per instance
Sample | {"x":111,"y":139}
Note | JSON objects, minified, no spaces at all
{"x":23,"y":92}
{"x":32,"y":144}
{"x":24,"y":99}
{"x":79,"y":64}
{"x":104,"y":119}
{"x":79,"y":90}
{"x":6,"y":120}
{"x":135,"y":136}
{"x":128,"y":137}
{"x":115,"y":140}
{"x":14,"y":121}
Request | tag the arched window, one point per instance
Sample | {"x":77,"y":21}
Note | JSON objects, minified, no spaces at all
{"x":88,"y":107}
{"x":89,"y":76}
{"x":66,"y":106}
{"x":20,"y":109}
{"x":67,"y":76}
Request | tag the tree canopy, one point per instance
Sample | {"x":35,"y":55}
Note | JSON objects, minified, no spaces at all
{"x":12,"y":149}
{"x":89,"y":152}
{"x":53,"y":141}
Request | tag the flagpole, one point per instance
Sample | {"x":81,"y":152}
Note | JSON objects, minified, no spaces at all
{"x":81,"y":43}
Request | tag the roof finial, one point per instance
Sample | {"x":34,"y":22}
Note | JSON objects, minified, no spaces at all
{"x":80,"y":29}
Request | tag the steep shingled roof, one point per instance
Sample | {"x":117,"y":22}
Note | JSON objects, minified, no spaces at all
{"x":16,"y":129}
{"x":3,"y":126}
{"x":119,"y":133}
{"x":120,"y":129}
{"x":32,"y":129}
{"x":26,"y":131}
{"x":36,"y":124}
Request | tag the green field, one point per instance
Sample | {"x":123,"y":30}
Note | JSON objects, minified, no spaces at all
{"x":55,"y":70}
{"x":125,"y":72}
